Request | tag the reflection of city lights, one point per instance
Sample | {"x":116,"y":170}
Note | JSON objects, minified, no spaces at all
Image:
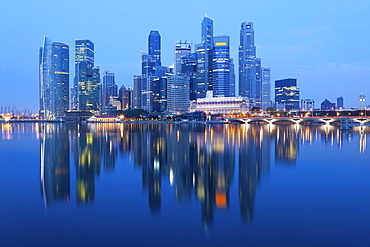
{"x":156,"y":165}
{"x":171,"y":177}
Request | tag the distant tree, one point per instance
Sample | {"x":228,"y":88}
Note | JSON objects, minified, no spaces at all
{"x":136,"y":113}
{"x":256,"y":109}
{"x":270,"y":109}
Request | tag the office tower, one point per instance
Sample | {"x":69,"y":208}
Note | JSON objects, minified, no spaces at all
{"x":136,"y":94}
{"x":307,"y":104}
{"x":109,"y":87}
{"x":189,"y":68}
{"x":221,"y":66}
{"x":204,"y":53}
{"x":54,"y":79}
{"x":125,"y":96}
{"x":287,"y":93}
{"x":232,"y":78}
{"x":247,"y":62}
{"x":147,"y":77}
{"x":87,"y":78}
{"x":154,"y":47}
{"x":177,"y":93}
{"x":258,"y":81}
{"x":160,"y":94}
{"x":266,"y":88}
{"x":340,"y":104}
{"x":182,"y":48}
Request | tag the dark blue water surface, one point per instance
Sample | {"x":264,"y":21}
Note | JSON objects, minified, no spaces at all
{"x":183,"y":185}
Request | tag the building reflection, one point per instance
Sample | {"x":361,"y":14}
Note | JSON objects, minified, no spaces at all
{"x":198,"y":160}
{"x":254,"y":160}
{"x":54,"y":164}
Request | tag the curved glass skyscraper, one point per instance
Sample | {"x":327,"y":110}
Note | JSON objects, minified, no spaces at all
{"x":54,"y":79}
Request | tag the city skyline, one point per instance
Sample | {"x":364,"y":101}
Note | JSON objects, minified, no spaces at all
{"x":296,"y":41}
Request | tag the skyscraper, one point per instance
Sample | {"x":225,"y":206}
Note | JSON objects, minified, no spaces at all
{"x":221,"y":66}
{"x":266,"y":88}
{"x":154,"y":47}
{"x":125,"y":96}
{"x":189,"y":68}
{"x":232,"y":78}
{"x":54,"y":79}
{"x":247,"y":62}
{"x":258,"y":81}
{"x":109,"y":87}
{"x":177,"y":93}
{"x":287,"y":93}
{"x":148,"y":75}
{"x":87,"y":78}
{"x":182,"y":49}
{"x":136,"y":94}
{"x":204,"y":53}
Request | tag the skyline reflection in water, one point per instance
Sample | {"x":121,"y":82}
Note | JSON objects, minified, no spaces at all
{"x":213,"y":173}
{"x":197,"y":159}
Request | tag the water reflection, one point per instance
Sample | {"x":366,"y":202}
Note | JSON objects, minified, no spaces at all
{"x":198,"y":160}
{"x":54,"y":164}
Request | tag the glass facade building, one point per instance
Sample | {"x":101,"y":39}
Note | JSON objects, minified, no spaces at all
{"x":54,"y":79}
{"x":86,"y":92}
{"x":247,"y":62}
{"x":232,"y":78}
{"x":266,"y":88}
{"x":287,"y":93}
{"x":136,"y":94}
{"x":154,"y":46}
{"x":109,"y":88}
{"x":182,"y":49}
{"x":178,"y":93}
{"x":221,"y":66}
{"x":204,"y":53}
{"x":189,"y":68}
{"x":148,"y":75}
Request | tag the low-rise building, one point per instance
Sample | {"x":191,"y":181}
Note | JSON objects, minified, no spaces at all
{"x":211,"y":104}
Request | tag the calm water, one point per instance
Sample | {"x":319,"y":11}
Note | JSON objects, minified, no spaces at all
{"x":183,"y":185}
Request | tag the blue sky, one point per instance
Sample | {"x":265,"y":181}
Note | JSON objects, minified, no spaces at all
{"x":324,"y":44}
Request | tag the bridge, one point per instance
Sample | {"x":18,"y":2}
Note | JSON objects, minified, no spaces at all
{"x":344,"y":122}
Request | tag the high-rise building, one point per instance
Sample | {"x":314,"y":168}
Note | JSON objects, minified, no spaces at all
{"x":247,"y":62}
{"x":182,"y":49}
{"x":221,"y":66}
{"x":177,"y":93}
{"x":232,"y":78}
{"x":258,"y":81}
{"x":266,"y":88}
{"x":287,"y":93}
{"x":109,"y":87}
{"x":125,"y":96}
{"x":160,"y":94}
{"x":189,"y":68}
{"x":154,"y":47}
{"x":86,"y":91}
{"x":54,"y":79}
{"x":340,"y":104}
{"x":136,"y":94}
{"x":204,"y":53}
{"x":147,"y":77}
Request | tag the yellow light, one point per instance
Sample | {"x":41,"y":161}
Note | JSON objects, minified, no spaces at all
{"x":217,"y":44}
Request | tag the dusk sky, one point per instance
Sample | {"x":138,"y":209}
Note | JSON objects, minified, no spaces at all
{"x":324,"y":44}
